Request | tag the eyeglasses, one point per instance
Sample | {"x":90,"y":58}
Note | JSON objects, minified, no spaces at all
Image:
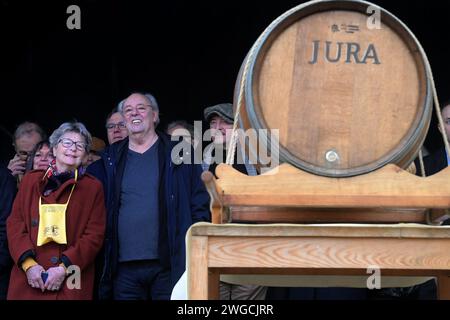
{"x":141,"y":108}
{"x":67,"y":143}
{"x":118,"y":125}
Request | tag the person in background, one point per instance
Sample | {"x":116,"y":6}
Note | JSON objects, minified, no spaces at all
{"x":116,"y":129}
{"x":180,"y":125}
{"x":26,"y":136}
{"x":98,"y":146}
{"x":181,"y":128}
{"x":57,"y":223}
{"x":220,"y":119}
{"x":438,"y":160}
{"x":40,"y":157}
{"x":7,"y":194}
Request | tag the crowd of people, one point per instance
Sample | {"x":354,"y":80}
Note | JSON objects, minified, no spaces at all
{"x":113,"y":217}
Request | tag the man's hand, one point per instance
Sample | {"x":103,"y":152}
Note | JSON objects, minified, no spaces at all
{"x":34,"y":277}
{"x":17,"y":166}
{"x":56,"y":276}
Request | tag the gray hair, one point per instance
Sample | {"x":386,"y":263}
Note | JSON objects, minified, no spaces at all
{"x":77,"y":127}
{"x":182,"y":123}
{"x":26,"y":128}
{"x":150,"y":98}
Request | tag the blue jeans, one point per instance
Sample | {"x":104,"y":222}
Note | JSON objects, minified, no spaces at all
{"x":142,"y":280}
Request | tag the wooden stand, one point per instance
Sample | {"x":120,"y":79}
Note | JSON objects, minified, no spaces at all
{"x":288,"y":194}
{"x":401,"y":250}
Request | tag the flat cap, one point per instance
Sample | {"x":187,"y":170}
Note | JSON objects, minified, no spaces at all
{"x":223,"y":110}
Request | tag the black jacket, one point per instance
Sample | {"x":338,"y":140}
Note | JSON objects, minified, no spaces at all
{"x":7,"y":194}
{"x":433,"y":163}
{"x":183,"y":201}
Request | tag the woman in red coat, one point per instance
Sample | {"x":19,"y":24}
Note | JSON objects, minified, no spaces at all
{"x":57,"y":224}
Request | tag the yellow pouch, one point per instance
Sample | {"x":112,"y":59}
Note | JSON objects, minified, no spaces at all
{"x":52,"y":221}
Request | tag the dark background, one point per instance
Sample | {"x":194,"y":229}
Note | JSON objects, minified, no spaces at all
{"x":187,"y":53}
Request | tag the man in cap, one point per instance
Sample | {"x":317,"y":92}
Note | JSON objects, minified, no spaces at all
{"x":220,"y":118}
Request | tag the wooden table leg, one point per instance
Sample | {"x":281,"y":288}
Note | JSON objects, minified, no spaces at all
{"x":198,"y":269}
{"x":444,"y":287}
{"x":213,"y":285}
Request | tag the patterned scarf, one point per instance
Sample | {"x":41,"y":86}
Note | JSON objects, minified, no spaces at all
{"x":55,"y":179}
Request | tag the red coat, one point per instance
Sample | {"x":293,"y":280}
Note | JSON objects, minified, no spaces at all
{"x":85,"y":227}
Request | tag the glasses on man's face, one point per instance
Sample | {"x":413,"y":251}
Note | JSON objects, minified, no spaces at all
{"x":67,"y":143}
{"x":140,"y":108}
{"x":118,"y":125}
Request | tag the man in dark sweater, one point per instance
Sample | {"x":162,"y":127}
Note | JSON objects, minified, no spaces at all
{"x":151,"y":202}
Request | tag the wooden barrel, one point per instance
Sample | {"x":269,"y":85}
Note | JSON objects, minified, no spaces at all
{"x":347,"y":95}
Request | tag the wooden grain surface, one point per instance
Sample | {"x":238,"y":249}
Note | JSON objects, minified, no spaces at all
{"x":340,"y":230}
{"x":329,"y":253}
{"x":197,"y":259}
{"x":239,"y":214}
{"x":287,"y":186}
{"x":397,"y":250}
